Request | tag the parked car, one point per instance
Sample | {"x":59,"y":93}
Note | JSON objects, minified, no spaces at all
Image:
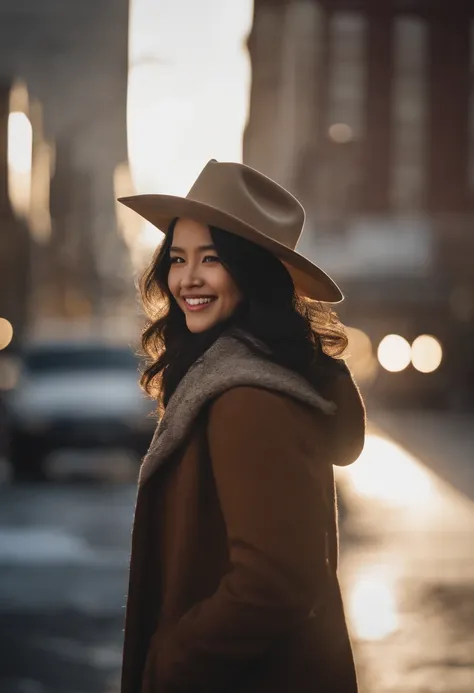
{"x":75,"y":395}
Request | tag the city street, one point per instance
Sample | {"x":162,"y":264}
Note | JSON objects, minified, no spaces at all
{"x":308,"y":145}
{"x":407,"y":568}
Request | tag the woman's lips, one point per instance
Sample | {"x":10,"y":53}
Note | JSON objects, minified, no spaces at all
{"x":198,"y":306}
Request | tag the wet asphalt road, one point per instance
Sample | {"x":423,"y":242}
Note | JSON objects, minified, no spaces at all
{"x":407,"y":571}
{"x":63,"y":578}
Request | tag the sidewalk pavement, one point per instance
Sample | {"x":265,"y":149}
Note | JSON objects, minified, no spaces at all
{"x":442,"y":441}
{"x":407,"y":558}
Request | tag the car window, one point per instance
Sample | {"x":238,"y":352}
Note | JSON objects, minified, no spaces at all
{"x":53,"y":359}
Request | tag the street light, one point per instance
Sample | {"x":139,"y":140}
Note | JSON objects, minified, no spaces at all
{"x":20,"y":153}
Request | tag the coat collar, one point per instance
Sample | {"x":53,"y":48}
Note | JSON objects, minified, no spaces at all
{"x":228,"y":363}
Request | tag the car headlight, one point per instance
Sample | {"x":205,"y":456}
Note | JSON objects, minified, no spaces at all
{"x":426,"y":353}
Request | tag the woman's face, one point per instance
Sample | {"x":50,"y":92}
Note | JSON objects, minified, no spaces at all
{"x":201,"y":286}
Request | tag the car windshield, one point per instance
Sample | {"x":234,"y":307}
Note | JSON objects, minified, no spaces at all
{"x":43,"y":360}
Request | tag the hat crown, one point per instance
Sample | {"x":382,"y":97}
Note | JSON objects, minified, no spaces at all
{"x":252,"y":198}
{"x":240,"y":200}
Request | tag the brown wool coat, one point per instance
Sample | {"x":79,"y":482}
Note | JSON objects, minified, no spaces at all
{"x":233,"y":585}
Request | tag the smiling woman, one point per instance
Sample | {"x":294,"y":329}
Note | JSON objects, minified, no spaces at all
{"x":242,"y":360}
{"x":199,"y":283}
{"x":206,"y":279}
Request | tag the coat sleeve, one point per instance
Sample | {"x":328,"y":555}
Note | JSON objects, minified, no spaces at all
{"x":271,"y":492}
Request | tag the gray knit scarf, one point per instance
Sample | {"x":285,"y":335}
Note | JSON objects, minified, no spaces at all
{"x":226,"y":364}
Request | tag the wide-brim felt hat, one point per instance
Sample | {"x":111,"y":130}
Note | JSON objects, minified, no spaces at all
{"x":243,"y":201}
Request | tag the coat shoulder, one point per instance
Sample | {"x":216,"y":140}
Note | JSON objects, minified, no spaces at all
{"x":261,"y":408}
{"x":242,"y":398}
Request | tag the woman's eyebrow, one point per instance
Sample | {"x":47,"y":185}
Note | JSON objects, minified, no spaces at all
{"x":175,"y":249}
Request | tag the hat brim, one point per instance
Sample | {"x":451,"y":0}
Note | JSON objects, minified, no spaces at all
{"x":160,"y":210}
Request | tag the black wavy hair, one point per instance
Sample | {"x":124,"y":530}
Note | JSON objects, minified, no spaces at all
{"x":300,"y":334}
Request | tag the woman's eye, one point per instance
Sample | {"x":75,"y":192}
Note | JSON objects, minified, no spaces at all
{"x":207,"y":258}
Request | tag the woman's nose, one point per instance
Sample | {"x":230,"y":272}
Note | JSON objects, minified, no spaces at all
{"x":191,"y":276}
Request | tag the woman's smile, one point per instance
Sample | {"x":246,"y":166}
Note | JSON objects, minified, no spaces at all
{"x":197,"y":279}
{"x":198,"y":303}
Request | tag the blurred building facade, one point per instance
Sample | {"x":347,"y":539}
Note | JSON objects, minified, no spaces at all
{"x":72,"y":56}
{"x":15,"y":240}
{"x":365,"y":110}
{"x":395,"y":76}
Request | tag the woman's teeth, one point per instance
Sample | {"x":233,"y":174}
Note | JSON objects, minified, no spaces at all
{"x":197,"y":301}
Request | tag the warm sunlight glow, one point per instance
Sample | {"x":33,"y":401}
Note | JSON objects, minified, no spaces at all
{"x":188,"y":90}
{"x":394,"y":353}
{"x":426,"y":353}
{"x":6,"y":333}
{"x":151,"y":236}
{"x":20,"y":152}
{"x":372,"y":605}
{"x":387,"y":472}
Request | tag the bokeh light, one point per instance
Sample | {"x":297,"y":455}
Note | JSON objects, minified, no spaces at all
{"x":372,"y":604}
{"x":6,"y":333}
{"x":394,"y":353}
{"x":360,"y":356}
{"x":20,"y":154}
{"x":340,"y":133}
{"x":426,"y":353}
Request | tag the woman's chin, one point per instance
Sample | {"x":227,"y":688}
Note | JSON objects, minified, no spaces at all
{"x":197,"y":324}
